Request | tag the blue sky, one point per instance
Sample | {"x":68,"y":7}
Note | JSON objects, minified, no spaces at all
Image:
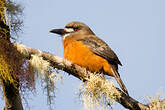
{"x":134,"y":29}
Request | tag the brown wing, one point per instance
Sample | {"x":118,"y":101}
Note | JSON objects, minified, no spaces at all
{"x":100,"y":48}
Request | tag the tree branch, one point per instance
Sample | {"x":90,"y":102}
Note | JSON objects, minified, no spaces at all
{"x":75,"y":70}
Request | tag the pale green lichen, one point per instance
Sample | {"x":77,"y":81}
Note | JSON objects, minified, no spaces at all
{"x":155,"y":102}
{"x":49,"y":77}
{"x":39,"y":65}
{"x":98,"y":93}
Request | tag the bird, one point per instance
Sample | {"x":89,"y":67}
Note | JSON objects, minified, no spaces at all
{"x":82,"y":47}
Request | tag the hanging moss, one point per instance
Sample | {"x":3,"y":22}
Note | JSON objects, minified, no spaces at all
{"x":15,"y":17}
{"x":13,"y":67}
{"x":11,"y":13}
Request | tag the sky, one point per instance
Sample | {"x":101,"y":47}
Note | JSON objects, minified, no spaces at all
{"x":134,"y":29}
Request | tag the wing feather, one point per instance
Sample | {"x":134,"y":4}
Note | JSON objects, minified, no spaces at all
{"x":100,"y":48}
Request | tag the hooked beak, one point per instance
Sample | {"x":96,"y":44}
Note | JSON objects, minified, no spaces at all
{"x":59,"y":31}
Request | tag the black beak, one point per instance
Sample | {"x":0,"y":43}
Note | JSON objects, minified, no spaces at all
{"x":59,"y":31}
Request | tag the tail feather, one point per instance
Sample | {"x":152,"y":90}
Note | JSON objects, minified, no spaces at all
{"x":119,"y":81}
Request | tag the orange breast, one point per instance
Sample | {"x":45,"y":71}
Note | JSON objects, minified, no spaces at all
{"x":80,"y":54}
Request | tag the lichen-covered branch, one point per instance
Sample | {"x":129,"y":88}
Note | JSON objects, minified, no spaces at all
{"x":81,"y":73}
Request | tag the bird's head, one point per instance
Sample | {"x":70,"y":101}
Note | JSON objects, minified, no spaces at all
{"x":72,"y":28}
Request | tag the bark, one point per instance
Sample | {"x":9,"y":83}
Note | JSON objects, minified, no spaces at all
{"x":10,"y":93}
{"x":12,"y":97}
{"x":75,"y":70}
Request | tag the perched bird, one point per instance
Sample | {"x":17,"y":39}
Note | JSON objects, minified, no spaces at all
{"x":82,"y":47}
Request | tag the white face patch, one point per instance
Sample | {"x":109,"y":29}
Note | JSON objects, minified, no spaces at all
{"x":69,"y":29}
{"x":66,"y":35}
